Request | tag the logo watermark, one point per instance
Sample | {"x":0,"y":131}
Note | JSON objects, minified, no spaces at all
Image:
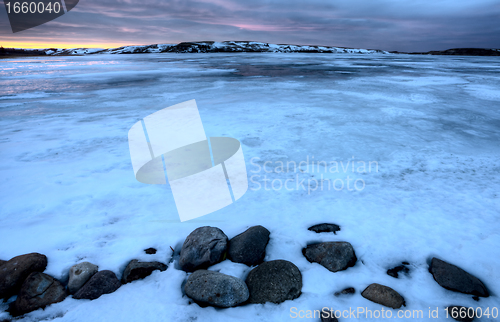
{"x":310,"y":175}
{"x":205,"y":174}
{"x":28,"y":14}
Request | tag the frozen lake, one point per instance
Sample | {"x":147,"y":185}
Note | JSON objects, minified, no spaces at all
{"x":429,"y":126}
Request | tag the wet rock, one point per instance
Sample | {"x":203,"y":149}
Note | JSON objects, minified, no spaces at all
{"x":274,"y":281}
{"x":136,"y":270}
{"x":327,"y":315}
{"x":249,"y":247}
{"x":103,"y":282}
{"x":461,"y":313}
{"x":335,"y":256}
{"x":216,"y":289}
{"x":394,"y":272}
{"x":15,"y":271}
{"x":38,"y":291}
{"x":383,"y":295}
{"x":456,"y":279}
{"x":325,"y":228}
{"x":79,"y":274}
{"x":347,"y":291}
{"x":204,"y":247}
{"x":150,"y":251}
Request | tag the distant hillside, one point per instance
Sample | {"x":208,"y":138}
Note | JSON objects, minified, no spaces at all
{"x":190,"y":47}
{"x":229,"y":47}
{"x":464,"y":52}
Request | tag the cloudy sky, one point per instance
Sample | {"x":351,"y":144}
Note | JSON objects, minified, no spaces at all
{"x":403,"y":25}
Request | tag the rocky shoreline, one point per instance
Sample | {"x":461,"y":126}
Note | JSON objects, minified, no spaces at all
{"x":272,"y":281}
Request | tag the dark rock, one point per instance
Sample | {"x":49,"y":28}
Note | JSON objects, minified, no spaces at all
{"x":216,"y":289}
{"x":394,"y":272}
{"x":38,"y":291}
{"x":249,"y":247}
{"x":136,"y":270}
{"x":347,"y":291}
{"x":325,"y":228}
{"x":103,"y":282}
{"x":79,"y":274}
{"x":335,"y":256}
{"x":150,"y":251}
{"x":383,"y":295}
{"x":15,"y":271}
{"x":461,"y":313}
{"x":205,"y":246}
{"x":327,"y":315}
{"x":456,"y":279}
{"x":2,"y":262}
{"x":275,"y":281}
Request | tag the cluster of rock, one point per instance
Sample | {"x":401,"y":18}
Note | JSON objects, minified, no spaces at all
{"x":23,"y":276}
{"x":273,"y":281}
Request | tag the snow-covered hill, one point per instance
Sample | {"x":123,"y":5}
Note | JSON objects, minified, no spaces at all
{"x":211,"y":47}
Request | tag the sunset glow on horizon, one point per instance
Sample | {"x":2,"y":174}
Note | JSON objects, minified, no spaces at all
{"x":29,"y":45}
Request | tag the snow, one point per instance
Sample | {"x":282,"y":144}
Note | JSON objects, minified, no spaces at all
{"x":431,"y":124}
{"x":240,"y":46}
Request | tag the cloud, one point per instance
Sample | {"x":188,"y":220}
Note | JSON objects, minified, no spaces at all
{"x":416,"y":25}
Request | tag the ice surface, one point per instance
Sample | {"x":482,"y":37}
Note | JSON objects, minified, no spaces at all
{"x":430,"y":124}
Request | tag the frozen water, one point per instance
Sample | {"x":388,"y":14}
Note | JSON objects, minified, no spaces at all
{"x":430,"y":126}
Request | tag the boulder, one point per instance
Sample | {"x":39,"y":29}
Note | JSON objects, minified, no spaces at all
{"x":103,"y":282}
{"x":205,"y":246}
{"x":335,"y":256}
{"x":79,"y":274}
{"x":38,"y":291}
{"x":249,"y":247}
{"x":347,"y":291}
{"x":136,"y":270}
{"x":461,"y":313}
{"x":456,"y":279}
{"x":383,"y":295}
{"x":15,"y":271}
{"x":150,"y":251}
{"x":394,"y":272}
{"x":216,"y":289}
{"x":325,"y":228}
{"x":2,"y":262}
{"x":274,"y":281}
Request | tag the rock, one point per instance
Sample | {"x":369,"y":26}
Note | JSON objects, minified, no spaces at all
{"x":325,"y":228}
{"x":103,"y":282}
{"x":347,"y":291}
{"x":15,"y":271}
{"x":383,"y":295}
{"x":79,"y":274}
{"x":205,"y":246}
{"x":38,"y":291}
{"x":327,"y":315}
{"x":461,"y":313}
{"x":275,"y":281}
{"x":249,"y":247}
{"x":2,"y":262}
{"x":136,"y":270}
{"x":216,"y":289}
{"x":456,"y":279}
{"x":335,"y":256}
{"x":150,"y":251}
{"x":394,"y":272}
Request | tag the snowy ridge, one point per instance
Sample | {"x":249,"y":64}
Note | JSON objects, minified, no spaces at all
{"x":211,"y":47}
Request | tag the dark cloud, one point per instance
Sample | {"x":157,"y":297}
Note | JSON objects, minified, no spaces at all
{"x":416,"y":25}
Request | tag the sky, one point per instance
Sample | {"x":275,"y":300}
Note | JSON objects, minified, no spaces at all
{"x":394,"y":25}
